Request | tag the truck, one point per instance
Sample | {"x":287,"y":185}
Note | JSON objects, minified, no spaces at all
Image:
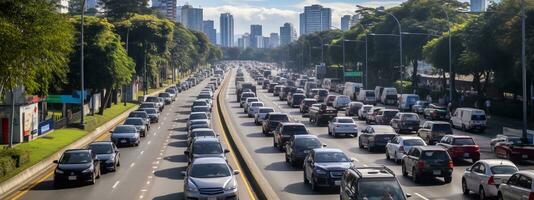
{"x":320,"y":114}
{"x":242,"y":86}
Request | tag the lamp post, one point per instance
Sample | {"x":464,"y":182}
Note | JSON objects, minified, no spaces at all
{"x":82,"y":92}
{"x":524,"y":70}
{"x":451,"y":80}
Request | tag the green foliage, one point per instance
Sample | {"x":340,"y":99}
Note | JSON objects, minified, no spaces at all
{"x":122,"y":9}
{"x":20,"y":157}
{"x":35,"y":42}
{"x":6,"y":165}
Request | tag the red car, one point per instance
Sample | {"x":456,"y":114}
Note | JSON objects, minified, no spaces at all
{"x":460,"y":147}
{"x":514,"y":150}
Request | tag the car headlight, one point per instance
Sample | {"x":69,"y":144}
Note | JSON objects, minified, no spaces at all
{"x":59,"y":171}
{"x":231,"y":185}
{"x":90,"y":169}
{"x":320,"y":171}
{"x":109,"y":161}
{"x":191,"y":187}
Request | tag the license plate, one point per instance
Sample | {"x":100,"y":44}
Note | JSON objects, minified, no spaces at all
{"x":436,"y":172}
{"x":466,"y":155}
{"x":72,"y":178}
{"x":123,"y":141}
{"x":524,"y":156}
{"x":337,"y":183}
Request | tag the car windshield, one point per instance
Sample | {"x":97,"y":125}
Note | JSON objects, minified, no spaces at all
{"x":380,"y":190}
{"x":152,"y":99}
{"x":384,"y":129}
{"x":412,"y":99}
{"x":278,"y":118}
{"x":503,"y":169}
{"x":203,"y":133}
{"x":200,"y":109}
{"x":134,"y":122}
{"x":478,"y":117}
{"x":309,"y":103}
{"x":246,"y":95}
{"x":124,"y":129}
{"x":198,"y":116}
{"x":252,"y":100}
{"x":307,"y":143}
{"x":441,"y":127}
{"x":410,"y":117}
{"x":266,"y":110}
{"x":390,"y":113}
{"x":195,"y":122}
{"x":345,"y":121}
{"x":323,"y":157}
{"x":463,"y":141}
{"x":164,"y":95}
{"x":75,"y":158}
{"x":204,"y":96}
{"x":323,"y":93}
{"x":199,"y":103}
{"x":414,"y":142}
{"x":370,"y":94}
{"x":210,"y":170}
{"x":294,"y":130}
{"x":101,"y":148}
{"x":147,"y":105}
{"x":137,"y":114}
{"x":151,"y":111}
{"x":435,"y":155}
{"x":207,"y":148}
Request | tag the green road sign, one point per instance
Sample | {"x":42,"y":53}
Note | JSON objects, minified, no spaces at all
{"x":353,"y":74}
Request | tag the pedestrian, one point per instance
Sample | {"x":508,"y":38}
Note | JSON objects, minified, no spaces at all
{"x":487,"y":104}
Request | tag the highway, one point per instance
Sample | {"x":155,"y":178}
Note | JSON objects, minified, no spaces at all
{"x":287,"y":181}
{"x":150,"y":171}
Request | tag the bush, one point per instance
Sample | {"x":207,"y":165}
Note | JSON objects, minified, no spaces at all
{"x":7,"y":164}
{"x":19,"y":157}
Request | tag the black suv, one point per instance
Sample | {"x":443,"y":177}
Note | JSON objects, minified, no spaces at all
{"x":427,"y":161}
{"x":323,"y":167}
{"x":370,"y":183}
{"x":76,"y":165}
{"x":299,"y":146}
{"x":272,"y":120}
{"x":284,"y":131}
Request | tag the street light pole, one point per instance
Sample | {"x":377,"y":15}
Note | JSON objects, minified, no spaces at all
{"x":82,"y":92}
{"x":524,"y":70}
{"x":451,"y":80}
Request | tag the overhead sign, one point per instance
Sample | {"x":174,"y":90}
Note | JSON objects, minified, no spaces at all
{"x":353,"y":74}
{"x":72,"y":99}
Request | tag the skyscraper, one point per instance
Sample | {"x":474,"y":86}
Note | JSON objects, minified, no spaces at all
{"x":255,"y":30}
{"x":274,"y":40}
{"x":345,"y":22}
{"x":287,"y":34}
{"x":192,"y":17}
{"x":227,"y":29}
{"x":244,"y":41}
{"x":315,"y":18}
{"x":208,"y":28}
{"x":166,"y":7}
{"x":355,"y":19}
{"x":478,"y":5}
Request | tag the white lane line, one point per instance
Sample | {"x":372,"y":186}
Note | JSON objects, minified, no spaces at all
{"x":131,"y":165}
{"x":142,"y":152}
{"x":159,"y":126}
{"x":141,"y":196}
{"x":149,"y":142}
{"x":364,"y":165}
{"x":421,"y":196}
{"x":154,"y":133}
{"x":115,"y":185}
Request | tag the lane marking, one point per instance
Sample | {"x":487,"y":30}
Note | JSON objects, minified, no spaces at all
{"x":149,"y":142}
{"x":142,"y":152}
{"x":115,"y":185}
{"x":131,"y":165}
{"x":421,"y":196}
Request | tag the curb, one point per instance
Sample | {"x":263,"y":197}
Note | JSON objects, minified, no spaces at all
{"x":22,"y":180}
{"x":259,"y":184}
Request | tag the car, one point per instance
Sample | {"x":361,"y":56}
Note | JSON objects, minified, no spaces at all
{"x":353,"y":108}
{"x":196,"y":115}
{"x":342,"y":125}
{"x":370,"y":183}
{"x":375,"y":137}
{"x":341,"y":102}
{"x":405,"y":122}
{"x":436,"y":112}
{"x":259,"y":117}
{"x":149,"y":105}
{"x":202,"y":147}
{"x":159,"y":103}
{"x":384,"y":116}
{"x":247,"y":102}
{"x":204,"y":109}
{"x":485,"y":176}
{"x":399,"y":145}
{"x":141,"y":114}
{"x":518,"y":187}
{"x":152,"y":114}
{"x":515,"y":150}
{"x":253,"y":108}
{"x":272,"y":120}
{"x":284,"y":131}
{"x":427,"y":161}
{"x":265,"y":84}
{"x":469,"y":119}
{"x":138,"y":123}
{"x":200,"y":102}
{"x":172,"y":91}
{"x":371,"y":115}
{"x":324,"y":167}
{"x":329,"y":100}
{"x":79,"y":165}
{"x":210,"y":178}
{"x":198,"y":123}
{"x":460,"y":147}
{"x":321,"y":95}
{"x":271,"y":87}
{"x":244,"y":97}
{"x":298,"y":146}
{"x":107,"y":153}
{"x":419,"y":106}
{"x":306,"y":104}
{"x":200,"y":132}
{"x":433,"y":131}
{"x":167,"y":97}
{"x":509,"y":138}
{"x":125,"y":135}
{"x":295,"y":99}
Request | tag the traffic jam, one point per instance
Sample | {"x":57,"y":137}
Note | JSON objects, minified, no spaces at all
{"x":416,"y":134}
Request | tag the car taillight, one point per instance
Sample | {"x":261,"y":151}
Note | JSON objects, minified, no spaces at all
{"x":401,"y":149}
{"x":531,"y":196}
{"x":420,"y":164}
{"x":450,"y":164}
{"x":337,"y":125}
{"x":491,"y":181}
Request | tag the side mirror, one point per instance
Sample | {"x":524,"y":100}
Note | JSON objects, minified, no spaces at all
{"x":226,"y":151}
{"x":55,"y":161}
{"x":408,"y":195}
{"x":236,"y":172}
{"x":184,"y":173}
{"x":468,"y":169}
{"x":116,"y":151}
{"x":186,"y":152}
{"x":110,"y":131}
{"x":324,"y":145}
{"x":352,"y":159}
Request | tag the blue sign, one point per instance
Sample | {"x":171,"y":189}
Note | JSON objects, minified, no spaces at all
{"x":72,"y":99}
{"x":46,"y":126}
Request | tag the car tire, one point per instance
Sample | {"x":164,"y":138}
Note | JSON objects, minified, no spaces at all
{"x":313,"y":184}
{"x":360,"y":144}
{"x":447,"y":179}
{"x":304,"y":177}
{"x":395,"y":159}
{"x":404,"y":172}
{"x":414,"y":176}
{"x":387,"y":155}
{"x":274,"y":143}
{"x":481,"y":193}
{"x":93,"y":180}
{"x":499,"y":196}
{"x":465,"y":190}
{"x":287,"y":158}
{"x":369,"y":148}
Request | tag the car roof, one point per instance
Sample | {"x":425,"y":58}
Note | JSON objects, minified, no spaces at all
{"x":136,"y":118}
{"x":292,"y":124}
{"x":374,"y":172}
{"x":437,"y":122}
{"x":309,"y":99}
{"x":459,"y":136}
{"x":196,"y":113}
{"x":206,"y":139}
{"x":277,"y":113}
{"x":389,"y":109}
{"x":266,"y":107}
{"x":325,"y":150}
{"x":202,"y":129}
{"x":101,"y":142}
{"x":529,"y":173}
{"x":344,"y":118}
{"x":209,"y":160}
{"x":305,"y":136}
{"x":430,"y":148}
{"x":408,"y":137}
{"x":494,"y":162}
{"x":77,"y":151}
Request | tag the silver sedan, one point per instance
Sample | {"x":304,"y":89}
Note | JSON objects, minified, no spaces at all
{"x":485,"y":176}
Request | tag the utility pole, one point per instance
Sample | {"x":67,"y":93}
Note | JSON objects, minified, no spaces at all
{"x":145,"y":72}
{"x":126,"y":86}
{"x":343,"y":44}
{"x":524,"y":71}
{"x":82,"y":92}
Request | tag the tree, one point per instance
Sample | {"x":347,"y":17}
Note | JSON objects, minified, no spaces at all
{"x":122,"y":9}
{"x":35,"y":42}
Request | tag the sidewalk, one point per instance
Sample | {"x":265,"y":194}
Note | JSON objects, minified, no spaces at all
{"x":496,"y":123}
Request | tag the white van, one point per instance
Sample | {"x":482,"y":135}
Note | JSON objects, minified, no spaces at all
{"x":352,"y":89}
{"x":367,"y":97}
{"x":406,"y":101}
{"x":469,"y":119}
{"x":327,"y":83}
{"x":389,"y":96}
{"x":378,"y":92}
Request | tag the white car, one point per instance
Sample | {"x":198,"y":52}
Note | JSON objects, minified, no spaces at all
{"x":484,"y":177}
{"x":247,"y":102}
{"x":341,"y":102}
{"x":362,"y":113}
{"x":260,"y":115}
{"x":253,"y":108}
{"x":397,"y":147}
{"x":342,"y":125}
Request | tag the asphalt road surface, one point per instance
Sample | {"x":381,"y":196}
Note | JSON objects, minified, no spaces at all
{"x":150,"y":171}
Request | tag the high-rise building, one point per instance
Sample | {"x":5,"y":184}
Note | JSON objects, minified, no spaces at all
{"x":274,"y":40}
{"x":208,"y":28}
{"x":227,"y":30}
{"x":355,"y":19}
{"x":166,"y":7}
{"x":315,"y":18}
{"x":63,"y":6}
{"x":192,"y":17}
{"x":244,"y":41}
{"x":477,"y":5}
{"x":287,"y":34}
{"x":345,"y":22}
{"x":255,"y":30}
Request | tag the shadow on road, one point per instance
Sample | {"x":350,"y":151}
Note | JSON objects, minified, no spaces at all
{"x":179,"y":136}
{"x":178,"y":144}
{"x":176,"y":158}
{"x":280,"y":166}
{"x":173,"y":196}
{"x":267,"y":150}
{"x":171,"y":173}
{"x":248,"y":124}
{"x":257,"y":135}
{"x":184,"y":112}
{"x":303,"y":189}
